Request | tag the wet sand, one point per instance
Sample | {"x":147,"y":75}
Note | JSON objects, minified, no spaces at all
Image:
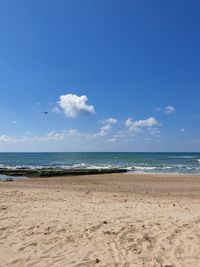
{"x":101,"y":220}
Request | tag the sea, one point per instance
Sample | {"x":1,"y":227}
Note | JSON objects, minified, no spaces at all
{"x":133,"y":162}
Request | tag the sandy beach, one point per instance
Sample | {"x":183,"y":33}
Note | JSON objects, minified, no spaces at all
{"x":101,"y":220}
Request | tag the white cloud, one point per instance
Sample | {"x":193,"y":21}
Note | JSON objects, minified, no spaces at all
{"x":154,"y":131}
{"x":70,"y":134}
{"x":121,"y":136}
{"x":14,"y":122}
{"x":74,"y":106}
{"x":169,"y":110}
{"x":182,"y":130}
{"x":73,"y":132}
{"x":64,"y":135}
{"x":6,"y":138}
{"x":56,"y":110}
{"x":111,"y":121}
{"x":147,"y":123}
{"x":105,"y":130}
{"x":112,"y":140}
{"x":73,"y":135}
{"x":55,"y":136}
{"x":137,"y":126}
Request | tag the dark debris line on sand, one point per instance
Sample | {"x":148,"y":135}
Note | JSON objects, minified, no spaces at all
{"x":56,"y":172}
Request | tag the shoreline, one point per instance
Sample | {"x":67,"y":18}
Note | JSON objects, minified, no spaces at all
{"x":167,"y":173}
{"x":158,"y":185}
{"x":20,"y":174}
{"x":53,"y":172}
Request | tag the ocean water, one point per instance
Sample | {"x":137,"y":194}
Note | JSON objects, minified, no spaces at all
{"x":138,"y":162}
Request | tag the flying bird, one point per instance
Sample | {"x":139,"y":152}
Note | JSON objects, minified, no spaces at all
{"x":45,"y":112}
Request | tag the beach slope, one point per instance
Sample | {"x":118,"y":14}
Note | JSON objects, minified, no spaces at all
{"x":101,"y":220}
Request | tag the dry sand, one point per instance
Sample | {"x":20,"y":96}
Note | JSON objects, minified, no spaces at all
{"x":106,"y":220}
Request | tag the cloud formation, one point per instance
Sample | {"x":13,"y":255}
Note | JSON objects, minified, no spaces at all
{"x":111,"y":121}
{"x":182,"y":130}
{"x":64,"y":135}
{"x":75,"y":106}
{"x":169,"y":110}
{"x":6,"y":138}
{"x":9,"y":139}
{"x":137,"y":126}
{"x":112,"y":140}
{"x":51,"y":136}
{"x":149,"y":125}
{"x":56,"y":109}
{"x":104,"y":130}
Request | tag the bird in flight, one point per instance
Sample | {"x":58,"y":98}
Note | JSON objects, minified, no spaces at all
{"x":45,"y":112}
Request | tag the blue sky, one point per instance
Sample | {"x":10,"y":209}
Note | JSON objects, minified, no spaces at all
{"x":136,"y":62}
